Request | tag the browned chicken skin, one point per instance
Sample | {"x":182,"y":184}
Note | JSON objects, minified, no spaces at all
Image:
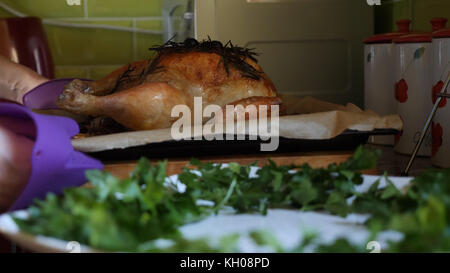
{"x":140,"y":96}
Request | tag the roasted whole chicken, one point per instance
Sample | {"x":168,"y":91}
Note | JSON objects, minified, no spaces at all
{"x":141,"y":95}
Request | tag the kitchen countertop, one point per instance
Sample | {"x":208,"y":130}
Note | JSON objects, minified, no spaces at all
{"x":390,"y":162}
{"x":394,"y":163}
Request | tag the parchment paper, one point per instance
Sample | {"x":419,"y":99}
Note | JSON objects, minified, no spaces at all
{"x":307,"y":118}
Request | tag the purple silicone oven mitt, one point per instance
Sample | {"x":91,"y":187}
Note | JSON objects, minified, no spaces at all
{"x":44,"y":96}
{"x":55,"y":164}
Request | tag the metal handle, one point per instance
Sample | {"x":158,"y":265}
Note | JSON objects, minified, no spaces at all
{"x":444,"y":95}
{"x":427,"y":125}
{"x":170,"y":28}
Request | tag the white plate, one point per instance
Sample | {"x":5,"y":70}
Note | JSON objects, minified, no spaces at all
{"x":287,"y":226}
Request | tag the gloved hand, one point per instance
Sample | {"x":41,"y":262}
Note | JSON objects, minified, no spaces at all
{"x":16,"y":145}
{"x":37,"y":156}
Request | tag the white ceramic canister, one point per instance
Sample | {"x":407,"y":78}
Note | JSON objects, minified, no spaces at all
{"x":441,"y":122}
{"x":413,"y":54}
{"x":379,"y":76}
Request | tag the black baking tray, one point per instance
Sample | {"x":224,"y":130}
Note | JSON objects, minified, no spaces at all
{"x":348,"y":140}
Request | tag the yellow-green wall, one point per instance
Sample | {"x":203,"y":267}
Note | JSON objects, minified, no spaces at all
{"x":89,"y":52}
{"x":420,"y":11}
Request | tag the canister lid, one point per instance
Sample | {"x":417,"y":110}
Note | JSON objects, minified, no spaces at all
{"x":443,"y":33}
{"x":417,"y":37}
{"x":403,"y":28}
{"x":438,"y":23}
{"x":423,"y":37}
{"x":440,"y":31}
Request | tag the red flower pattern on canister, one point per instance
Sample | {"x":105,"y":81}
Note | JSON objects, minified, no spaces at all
{"x":401,"y":91}
{"x":436,"y":90}
{"x":437,"y":133}
{"x":398,"y":136}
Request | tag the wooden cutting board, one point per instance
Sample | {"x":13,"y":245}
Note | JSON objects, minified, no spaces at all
{"x":174,"y":166}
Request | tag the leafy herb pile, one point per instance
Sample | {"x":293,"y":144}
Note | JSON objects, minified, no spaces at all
{"x":115,"y":215}
{"x":421,"y":212}
{"x":280,"y":186}
{"x":131,"y":214}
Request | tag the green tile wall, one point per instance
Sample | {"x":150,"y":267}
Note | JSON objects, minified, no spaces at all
{"x":424,"y":10}
{"x":91,"y":46}
{"x":124,"y":8}
{"x":46,"y":8}
{"x":144,"y":41}
{"x":94,"y":52}
{"x":420,"y":11}
{"x":4,"y":14}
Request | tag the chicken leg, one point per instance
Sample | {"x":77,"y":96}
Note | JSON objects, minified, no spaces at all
{"x":143,"y":107}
